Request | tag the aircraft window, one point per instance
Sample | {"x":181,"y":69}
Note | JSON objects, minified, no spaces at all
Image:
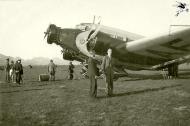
{"x":83,"y":27}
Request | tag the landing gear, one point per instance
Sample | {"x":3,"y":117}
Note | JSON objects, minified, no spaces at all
{"x":173,"y":71}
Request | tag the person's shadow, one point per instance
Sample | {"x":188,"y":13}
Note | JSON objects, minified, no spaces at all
{"x":139,"y":91}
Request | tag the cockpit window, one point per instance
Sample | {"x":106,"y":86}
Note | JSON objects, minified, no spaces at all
{"x":84,"y":26}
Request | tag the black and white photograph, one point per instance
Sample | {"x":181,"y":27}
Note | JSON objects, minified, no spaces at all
{"x":94,"y":63}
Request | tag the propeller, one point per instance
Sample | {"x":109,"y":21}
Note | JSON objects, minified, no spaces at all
{"x":97,"y":29}
{"x":47,"y":32}
{"x":95,"y":33}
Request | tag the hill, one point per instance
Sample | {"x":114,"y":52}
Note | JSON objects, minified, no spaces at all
{"x":33,"y":61}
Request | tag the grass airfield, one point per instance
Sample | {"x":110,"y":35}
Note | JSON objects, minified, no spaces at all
{"x":141,"y":99}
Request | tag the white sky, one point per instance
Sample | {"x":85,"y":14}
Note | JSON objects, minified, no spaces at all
{"x":23,"y":22}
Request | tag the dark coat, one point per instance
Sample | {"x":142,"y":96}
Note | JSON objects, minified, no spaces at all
{"x":92,"y":67}
{"x":71,"y":67}
{"x":18,"y":67}
{"x":7,"y":67}
{"x":107,"y":67}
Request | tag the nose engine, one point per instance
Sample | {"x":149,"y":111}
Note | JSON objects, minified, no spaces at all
{"x":52,"y":34}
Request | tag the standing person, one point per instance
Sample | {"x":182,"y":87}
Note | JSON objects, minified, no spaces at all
{"x":164,"y":74}
{"x":107,"y":69}
{"x":18,"y":69}
{"x":21,"y":71}
{"x":7,"y":70}
{"x":71,"y":71}
{"x":12,"y":72}
{"x":51,"y":70}
{"x":93,"y":72}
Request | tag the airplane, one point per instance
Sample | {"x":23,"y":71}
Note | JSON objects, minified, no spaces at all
{"x":130,"y":51}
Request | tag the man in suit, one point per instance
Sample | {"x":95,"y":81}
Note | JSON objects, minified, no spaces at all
{"x":21,"y":71}
{"x":107,"y":69}
{"x":7,"y":69}
{"x":18,"y":69}
{"x":93,"y":73}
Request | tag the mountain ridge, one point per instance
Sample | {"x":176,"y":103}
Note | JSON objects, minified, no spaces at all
{"x":33,"y":61}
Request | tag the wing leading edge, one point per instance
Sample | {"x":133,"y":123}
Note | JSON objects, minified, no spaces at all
{"x":165,"y":48}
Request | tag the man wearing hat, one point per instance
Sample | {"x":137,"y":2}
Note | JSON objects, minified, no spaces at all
{"x":7,"y":69}
{"x":18,"y":69}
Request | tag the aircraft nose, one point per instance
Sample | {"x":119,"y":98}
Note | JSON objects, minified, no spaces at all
{"x":51,"y":34}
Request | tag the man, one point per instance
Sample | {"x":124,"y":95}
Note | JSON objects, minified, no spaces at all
{"x":51,"y":70}
{"x":71,"y":71}
{"x":12,"y":72}
{"x":93,"y":73}
{"x":7,"y":70}
{"x":21,"y":71}
{"x":18,"y":69}
{"x":107,"y":69}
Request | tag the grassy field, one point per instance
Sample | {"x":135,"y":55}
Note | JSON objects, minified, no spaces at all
{"x":141,"y":99}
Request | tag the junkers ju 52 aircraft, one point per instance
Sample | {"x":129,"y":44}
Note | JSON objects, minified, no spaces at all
{"x":130,"y":51}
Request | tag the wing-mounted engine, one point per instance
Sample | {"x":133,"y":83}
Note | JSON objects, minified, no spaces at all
{"x":91,"y":39}
{"x":81,"y":42}
{"x":98,"y":41}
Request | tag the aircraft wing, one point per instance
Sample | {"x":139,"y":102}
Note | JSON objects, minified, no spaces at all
{"x":158,"y":50}
{"x":152,"y":52}
{"x":140,"y":53}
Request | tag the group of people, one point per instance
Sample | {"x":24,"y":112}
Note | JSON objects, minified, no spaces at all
{"x":171,"y":72}
{"x":13,"y":71}
{"x":93,"y":72}
{"x":106,"y":69}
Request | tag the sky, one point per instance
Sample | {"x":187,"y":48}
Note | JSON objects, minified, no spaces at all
{"x":23,"y":22}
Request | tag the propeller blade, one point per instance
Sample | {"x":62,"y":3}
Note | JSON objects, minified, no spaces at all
{"x":95,"y":33}
{"x":45,"y":34}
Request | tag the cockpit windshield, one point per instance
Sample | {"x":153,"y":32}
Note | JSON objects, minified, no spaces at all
{"x":84,"y":26}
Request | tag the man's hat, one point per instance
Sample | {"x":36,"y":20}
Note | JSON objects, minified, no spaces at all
{"x":7,"y":59}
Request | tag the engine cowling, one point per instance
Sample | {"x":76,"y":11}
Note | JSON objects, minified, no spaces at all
{"x":53,"y":33}
{"x":81,"y":42}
